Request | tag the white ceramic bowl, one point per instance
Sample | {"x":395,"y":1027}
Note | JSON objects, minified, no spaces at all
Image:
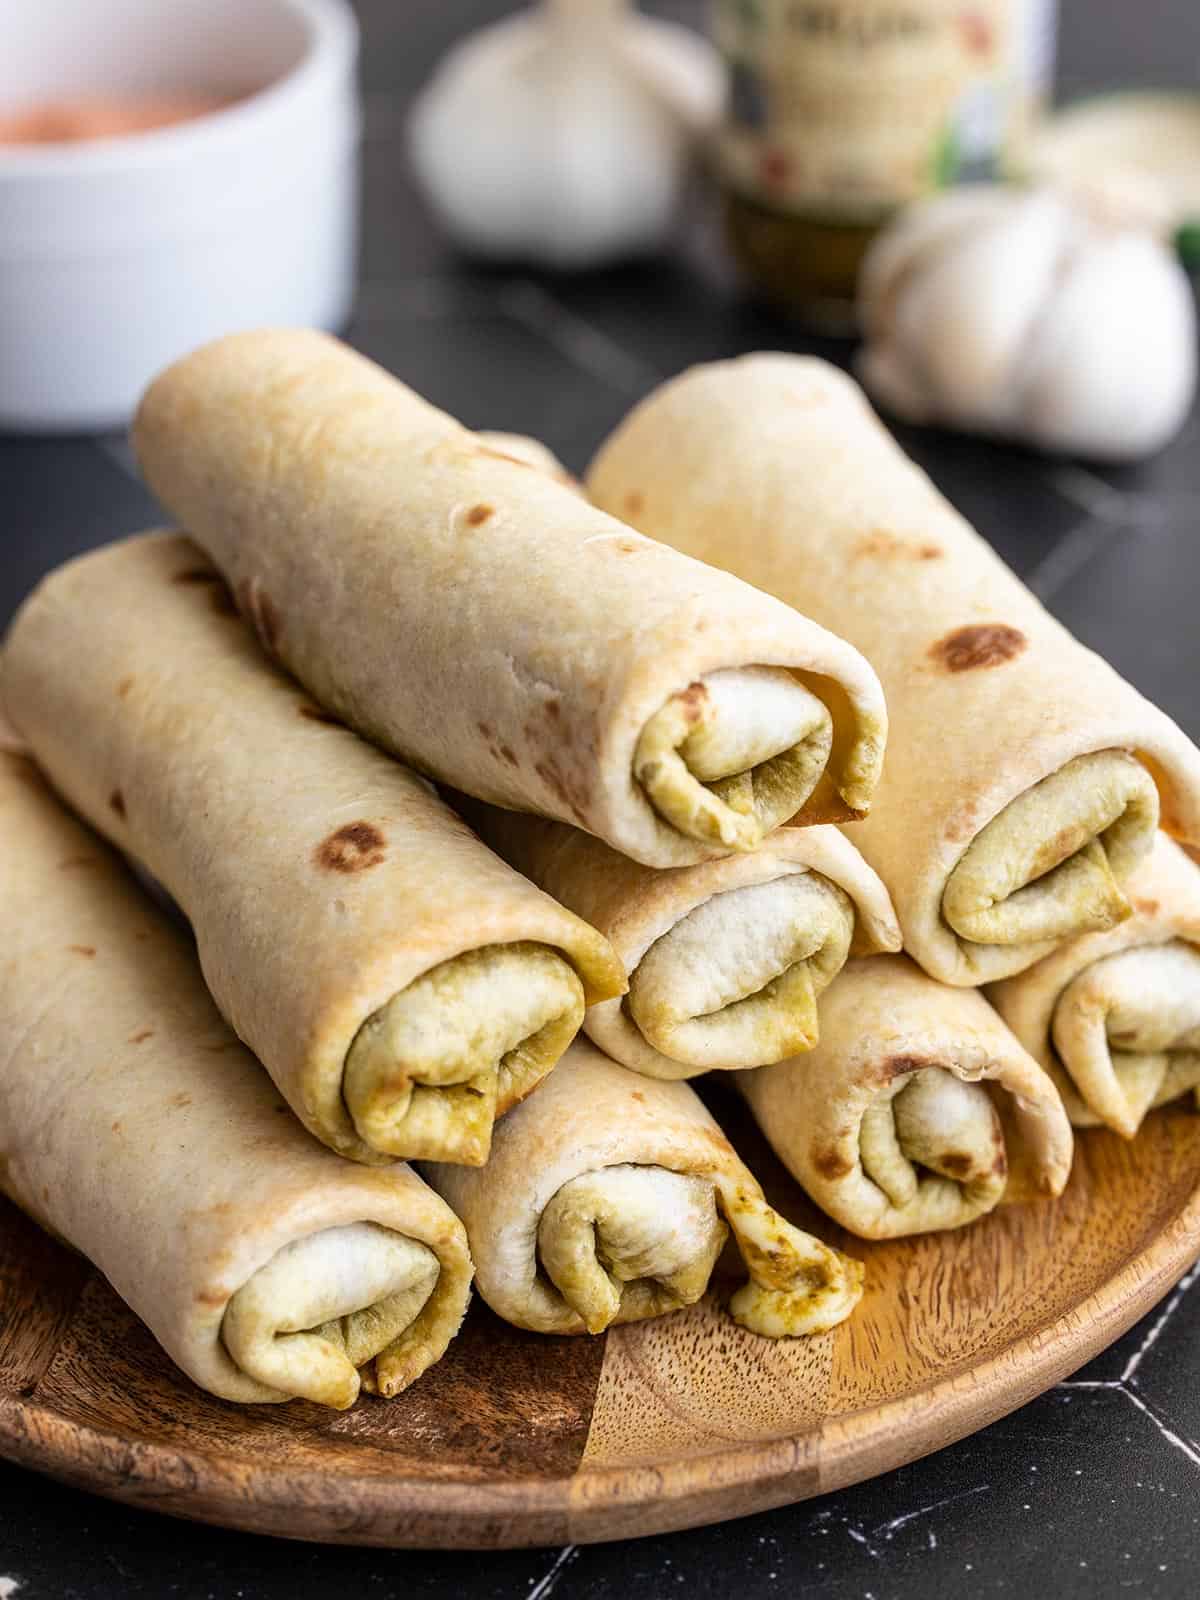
{"x":118,"y":255}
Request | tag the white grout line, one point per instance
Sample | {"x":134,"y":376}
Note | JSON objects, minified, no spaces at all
{"x":549,"y":1583}
{"x":576,"y":338}
{"x":1185,"y":1446}
{"x":420,"y":298}
{"x":1097,"y":498}
{"x":1069,"y":556}
{"x":887,"y":1529}
{"x":859,"y":1537}
{"x":1151,"y":1339}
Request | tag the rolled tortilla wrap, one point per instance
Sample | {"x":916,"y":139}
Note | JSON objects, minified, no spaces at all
{"x":470,"y":613}
{"x":134,"y":1126}
{"x":603,"y":1202}
{"x":726,"y":960}
{"x":401,"y":985}
{"x":917,"y":1111}
{"x":1114,"y":1017}
{"x":1024,"y":777}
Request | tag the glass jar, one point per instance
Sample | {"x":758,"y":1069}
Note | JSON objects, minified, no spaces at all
{"x":841,"y":111}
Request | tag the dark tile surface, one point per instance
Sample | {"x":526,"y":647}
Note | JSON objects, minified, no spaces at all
{"x":58,"y":498}
{"x":1091,"y":1490}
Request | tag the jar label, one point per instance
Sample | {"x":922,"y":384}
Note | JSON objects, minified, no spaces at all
{"x":843,"y":110}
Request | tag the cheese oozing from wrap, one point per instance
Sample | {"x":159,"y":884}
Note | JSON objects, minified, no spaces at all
{"x":1025,"y":778}
{"x":402,"y":986}
{"x":727,"y":960}
{"x":608,"y":1199}
{"x":917,"y":1111}
{"x":463,"y":607}
{"x":136,"y":1127}
{"x":1114,"y":1017}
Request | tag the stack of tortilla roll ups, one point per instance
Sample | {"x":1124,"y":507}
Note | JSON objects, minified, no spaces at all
{"x":136,"y":1127}
{"x":1025,"y":779}
{"x":662,"y":820}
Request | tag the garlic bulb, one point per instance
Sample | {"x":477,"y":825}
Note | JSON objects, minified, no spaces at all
{"x":564,"y":134}
{"x":1018,"y":312}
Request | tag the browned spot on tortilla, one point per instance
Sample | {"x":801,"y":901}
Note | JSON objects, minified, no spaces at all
{"x":123,"y":688}
{"x":256,"y":604}
{"x":141,"y":1036}
{"x":318,"y":714}
{"x":507,"y":753}
{"x":116,"y":1127}
{"x":478,"y":515}
{"x":879,"y":542}
{"x":205,"y":1298}
{"x":86,"y":950}
{"x":183,"y":1098}
{"x":571,"y":795}
{"x":630,"y":547}
{"x":116,"y":801}
{"x":485,"y":730}
{"x":353,"y":848}
{"x":72,"y":862}
{"x":899,"y":1067}
{"x":1148,"y":908}
{"x":635,"y":502}
{"x":197,"y":575}
{"x":638,"y":1095}
{"x":957,"y":1164}
{"x":830,"y":1163}
{"x":980,"y":644}
{"x":552,"y":778}
{"x":554,"y":708}
{"x":693,"y":699}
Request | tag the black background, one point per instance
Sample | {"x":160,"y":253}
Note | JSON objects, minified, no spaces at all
{"x":1095,"y":1487}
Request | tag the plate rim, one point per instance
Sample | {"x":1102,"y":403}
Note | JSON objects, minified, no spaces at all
{"x":592,"y":1504}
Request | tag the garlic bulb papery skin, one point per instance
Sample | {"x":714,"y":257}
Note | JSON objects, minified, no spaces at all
{"x":565,"y":135}
{"x":1024,"y":314}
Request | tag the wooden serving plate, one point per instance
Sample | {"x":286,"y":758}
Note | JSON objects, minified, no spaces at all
{"x":518,"y":1440}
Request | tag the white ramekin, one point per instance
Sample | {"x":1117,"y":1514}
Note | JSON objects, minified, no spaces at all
{"x":118,"y":255}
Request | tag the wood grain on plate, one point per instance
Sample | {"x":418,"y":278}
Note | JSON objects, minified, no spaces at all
{"x":518,"y":1440}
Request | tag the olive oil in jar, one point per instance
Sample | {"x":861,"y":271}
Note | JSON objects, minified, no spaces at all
{"x":842,"y":111}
